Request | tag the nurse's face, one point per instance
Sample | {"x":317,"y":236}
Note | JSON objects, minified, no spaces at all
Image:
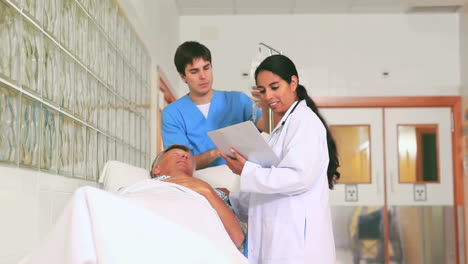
{"x":198,"y":77}
{"x":276,"y":92}
{"x":174,"y":162}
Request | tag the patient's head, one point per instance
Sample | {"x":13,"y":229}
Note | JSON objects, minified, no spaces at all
{"x":174,"y":160}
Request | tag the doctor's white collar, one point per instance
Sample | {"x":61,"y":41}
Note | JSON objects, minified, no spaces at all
{"x":286,"y":115}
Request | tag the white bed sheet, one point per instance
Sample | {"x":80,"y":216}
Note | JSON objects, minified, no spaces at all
{"x":148,"y":222}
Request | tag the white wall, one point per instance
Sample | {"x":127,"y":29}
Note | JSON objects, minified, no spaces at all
{"x":338,"y":55}
{"x":157,"y":23}
{"x":464,"y":51}
{"x":30,"y":202}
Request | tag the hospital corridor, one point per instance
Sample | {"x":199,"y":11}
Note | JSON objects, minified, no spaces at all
{"x":83,"y":85}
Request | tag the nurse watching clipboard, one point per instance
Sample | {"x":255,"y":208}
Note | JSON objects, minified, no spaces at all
{"x":286,"y":202}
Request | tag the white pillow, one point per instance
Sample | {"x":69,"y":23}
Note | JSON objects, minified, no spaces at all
{"x":219,"y":177}
{"x":117,"y":174}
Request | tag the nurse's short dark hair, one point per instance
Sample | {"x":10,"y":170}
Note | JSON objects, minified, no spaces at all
{"x":162,"y":153}
{"x":187,"y":52}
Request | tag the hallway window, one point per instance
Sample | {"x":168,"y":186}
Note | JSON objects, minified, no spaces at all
{"x":353,"y":144}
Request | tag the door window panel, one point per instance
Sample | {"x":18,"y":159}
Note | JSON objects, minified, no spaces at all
{"x":417,"y":153}
{"x":353,"y":144}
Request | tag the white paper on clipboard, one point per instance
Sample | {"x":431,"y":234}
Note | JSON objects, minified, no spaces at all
{"x":245,"y":139}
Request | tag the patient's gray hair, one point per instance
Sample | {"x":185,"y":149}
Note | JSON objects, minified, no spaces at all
{"x":171,"y":147}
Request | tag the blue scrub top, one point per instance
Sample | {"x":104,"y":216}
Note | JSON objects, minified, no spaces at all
{"x":183,"y":123}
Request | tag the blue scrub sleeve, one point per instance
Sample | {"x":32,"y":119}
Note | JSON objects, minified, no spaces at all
{"x":246,"y":246}
{"x":248,"y":109}
{"x":172,"y":132}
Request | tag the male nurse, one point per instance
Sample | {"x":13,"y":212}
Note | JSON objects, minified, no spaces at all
{"x":187,"y":120}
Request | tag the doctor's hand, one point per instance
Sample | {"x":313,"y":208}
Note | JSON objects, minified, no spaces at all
{"x":237,"y":163}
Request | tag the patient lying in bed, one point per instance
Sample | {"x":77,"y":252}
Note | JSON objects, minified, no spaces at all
{"x":175,"y":165}
{"x":176,"y":219}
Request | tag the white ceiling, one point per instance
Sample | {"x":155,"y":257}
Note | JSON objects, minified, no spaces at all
{"x":239,"y":7}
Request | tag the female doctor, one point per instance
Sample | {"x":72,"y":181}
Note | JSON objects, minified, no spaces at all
{"x":287,"y":206}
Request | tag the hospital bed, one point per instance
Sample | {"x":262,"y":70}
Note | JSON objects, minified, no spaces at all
{"x":147,"y":221}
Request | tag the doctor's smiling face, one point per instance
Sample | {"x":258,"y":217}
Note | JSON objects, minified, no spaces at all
{"x":198,"y":76}
{"x":275,"y":92}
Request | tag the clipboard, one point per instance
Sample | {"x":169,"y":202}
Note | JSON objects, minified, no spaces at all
{"x":245,"y":139}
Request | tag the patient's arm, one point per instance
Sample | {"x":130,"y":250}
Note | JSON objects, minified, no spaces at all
{"x":229,"y":220}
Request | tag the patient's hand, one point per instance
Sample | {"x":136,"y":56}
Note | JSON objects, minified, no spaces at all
{"x":195,"y":184}
{"x":224,"y":190}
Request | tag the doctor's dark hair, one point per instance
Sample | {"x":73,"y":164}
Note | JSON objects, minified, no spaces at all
{"x":285,"y":69}
{"x":162,"y":153}
{"x":187,"y":52}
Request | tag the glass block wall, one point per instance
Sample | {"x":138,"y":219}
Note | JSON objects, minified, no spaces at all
{"x":74,"y":87}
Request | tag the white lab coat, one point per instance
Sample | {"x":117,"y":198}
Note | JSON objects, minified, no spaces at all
{"x":287,"y":206}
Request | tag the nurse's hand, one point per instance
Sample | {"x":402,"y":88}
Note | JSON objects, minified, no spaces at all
{"x":237,"y":163}
{"x":256,"y":94}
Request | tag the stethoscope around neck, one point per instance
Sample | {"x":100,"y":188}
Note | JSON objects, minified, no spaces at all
{"x":277,"y":131}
